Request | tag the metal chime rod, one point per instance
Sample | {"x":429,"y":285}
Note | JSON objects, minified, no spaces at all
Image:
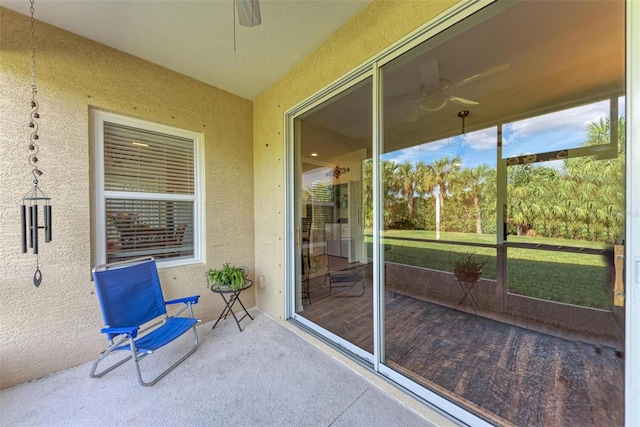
{"x":23,"y":223}
{"x":47,"y":223}
{"x":33,"y":225}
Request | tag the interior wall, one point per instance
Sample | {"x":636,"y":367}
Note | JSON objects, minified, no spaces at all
{"x":56,"y":326}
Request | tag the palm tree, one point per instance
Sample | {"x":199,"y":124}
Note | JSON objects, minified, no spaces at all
{"x":441,"y":172}
{"x":472,"y":182}
{"x":410,"y":178}
{"x":598,"y":185}
{"x":391,"y":191}
{"x":527,"y":187}
{"x":405,"y":175}
{"x":367,"y":192}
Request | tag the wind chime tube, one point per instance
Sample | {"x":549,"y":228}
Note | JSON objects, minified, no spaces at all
{"x":33,"y":219}
{"x":47,"y":223}
{"x":30,"y":227}
{"x":23,"y":223}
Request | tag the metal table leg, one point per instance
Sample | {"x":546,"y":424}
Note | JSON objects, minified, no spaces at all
{"x":235,"y":297}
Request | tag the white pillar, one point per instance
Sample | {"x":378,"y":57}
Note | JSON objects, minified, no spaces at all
{"x":437,"y":218}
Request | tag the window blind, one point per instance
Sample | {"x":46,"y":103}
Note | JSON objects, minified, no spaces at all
{"x":149,"y":170}
{"x":159,"y":228}
{"x":145,"y":161}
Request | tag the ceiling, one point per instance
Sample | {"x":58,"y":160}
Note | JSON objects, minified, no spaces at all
{"x":534,"y":58}
{"x":548,"y":67}
{"x":202,"y":39}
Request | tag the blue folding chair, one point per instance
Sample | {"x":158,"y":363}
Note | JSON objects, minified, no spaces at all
{"x":135,"y":316}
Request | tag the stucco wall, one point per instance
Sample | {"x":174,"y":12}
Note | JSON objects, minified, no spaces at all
{"x":374,"y":29}
{"x":56,"y":326}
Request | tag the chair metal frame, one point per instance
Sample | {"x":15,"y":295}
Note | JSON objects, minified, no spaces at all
{"x":346,"y":278}
{"x":155,"y":327}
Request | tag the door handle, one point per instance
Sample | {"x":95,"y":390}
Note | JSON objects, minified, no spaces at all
{"x":618,"y":286}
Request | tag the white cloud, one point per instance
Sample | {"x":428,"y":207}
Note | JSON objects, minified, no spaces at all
{"x":434,"y":146}
{"x":418,"y":152}
{"x":485,"y":139}
{"x":571,"y":120}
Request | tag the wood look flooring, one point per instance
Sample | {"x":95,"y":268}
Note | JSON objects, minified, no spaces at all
{"x":507,"y":374}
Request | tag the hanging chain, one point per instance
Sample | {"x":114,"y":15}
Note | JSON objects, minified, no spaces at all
{"x":33,"y":52}
{"x":33,"y":146}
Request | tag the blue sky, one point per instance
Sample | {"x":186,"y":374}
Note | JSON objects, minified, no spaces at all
{"x":550,"y":132}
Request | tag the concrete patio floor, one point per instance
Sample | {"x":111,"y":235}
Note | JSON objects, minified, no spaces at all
{"x":264,"y":376}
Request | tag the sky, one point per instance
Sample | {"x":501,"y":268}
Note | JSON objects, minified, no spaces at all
{"x":550,"y":132}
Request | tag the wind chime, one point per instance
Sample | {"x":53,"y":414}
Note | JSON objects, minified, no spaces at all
{"x":29,"y":210}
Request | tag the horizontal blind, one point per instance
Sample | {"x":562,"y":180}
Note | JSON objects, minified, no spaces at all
{"x":140,"y":160}
{"x":321,"y":194}
{"x":159,"y":228}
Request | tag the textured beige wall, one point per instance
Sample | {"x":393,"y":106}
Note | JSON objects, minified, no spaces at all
{"x":55,"y":326}
{"x":374,"y":29}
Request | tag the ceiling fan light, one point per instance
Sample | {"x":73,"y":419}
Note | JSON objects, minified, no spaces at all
{"x":248,"y":12}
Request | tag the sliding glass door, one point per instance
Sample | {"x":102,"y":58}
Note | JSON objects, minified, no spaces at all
{"x":487,"y":199}
{"x":333,"y":273}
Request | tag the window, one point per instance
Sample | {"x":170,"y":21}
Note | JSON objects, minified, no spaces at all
{"x":147,"y":186}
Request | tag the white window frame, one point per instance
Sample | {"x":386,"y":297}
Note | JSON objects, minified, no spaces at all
{"x":100,"y":195}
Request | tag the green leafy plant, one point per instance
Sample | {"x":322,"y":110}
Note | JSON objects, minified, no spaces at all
{"x":228,"y":276}
{"x":468,"y":268}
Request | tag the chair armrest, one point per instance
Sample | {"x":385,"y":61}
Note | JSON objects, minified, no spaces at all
{"x":132,"y":331}
{"x":192,"y":299}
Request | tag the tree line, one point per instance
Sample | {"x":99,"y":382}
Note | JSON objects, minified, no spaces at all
{"x":583,"y":199}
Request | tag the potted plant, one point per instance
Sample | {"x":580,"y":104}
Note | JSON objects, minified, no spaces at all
{"x":468,"y":269}
{"x":228,"y":276}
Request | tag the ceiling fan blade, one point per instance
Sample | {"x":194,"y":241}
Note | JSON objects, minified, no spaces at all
{"x":481,"y":75}
{"x":430,"y":74}
{"x":462,"y":101}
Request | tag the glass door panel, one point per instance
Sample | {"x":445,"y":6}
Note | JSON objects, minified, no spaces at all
{"x":502,"y":174}
{"x":565,"y":207}
{"x":565,"y":230}
{"x":334,"y":289}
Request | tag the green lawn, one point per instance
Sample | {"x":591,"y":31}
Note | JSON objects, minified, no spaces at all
{"x":573,"y":278}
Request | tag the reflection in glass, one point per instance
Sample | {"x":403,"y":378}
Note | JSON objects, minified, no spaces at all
{"x":504,"y":146}
{"x":502,"y":152}
{"x":334,"y":147}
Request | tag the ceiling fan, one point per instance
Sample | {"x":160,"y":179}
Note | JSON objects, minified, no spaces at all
{"x":432,"y":95}
{"x":248,"y":12}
